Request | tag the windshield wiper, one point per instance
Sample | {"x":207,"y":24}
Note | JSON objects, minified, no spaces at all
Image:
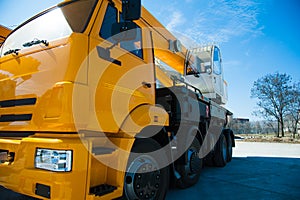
{"x":36,"y":41}
{"x":15,"y":51}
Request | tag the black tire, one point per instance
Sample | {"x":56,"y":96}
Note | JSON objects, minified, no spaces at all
{"x":209,"y":159}
{"x":220,"y":153}
{"x":153,"y":184}
{"x":229,"y":148}
{"x":190,"y":172}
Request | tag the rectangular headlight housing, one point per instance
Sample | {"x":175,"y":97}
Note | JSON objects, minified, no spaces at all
{"x":53,"y":160}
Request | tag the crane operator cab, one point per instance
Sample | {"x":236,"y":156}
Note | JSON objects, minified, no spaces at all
{"x":203,"y":70}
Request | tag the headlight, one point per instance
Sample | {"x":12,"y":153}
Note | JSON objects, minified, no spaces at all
{"x":53,"y":160}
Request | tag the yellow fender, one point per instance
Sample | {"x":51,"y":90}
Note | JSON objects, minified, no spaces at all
{"x":142,"y":117}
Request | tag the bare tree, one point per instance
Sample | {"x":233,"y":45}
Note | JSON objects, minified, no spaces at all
{"x":294,"y":109}
{"x":258,"y":127}
{"x":269,"y":127}
{"x":273,"y":94}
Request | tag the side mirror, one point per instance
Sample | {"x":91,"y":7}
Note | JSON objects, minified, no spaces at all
{"x":131,"y":9}
{"x":124,"y":31}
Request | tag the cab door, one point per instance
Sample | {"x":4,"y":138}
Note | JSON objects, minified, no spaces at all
{"x":120,"y":76}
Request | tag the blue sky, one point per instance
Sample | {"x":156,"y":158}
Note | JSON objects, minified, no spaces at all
{"x":256,"y":37}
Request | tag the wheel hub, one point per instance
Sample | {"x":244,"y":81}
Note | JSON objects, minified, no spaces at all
{"x":147,"y":184}
{"x":143,"y":179}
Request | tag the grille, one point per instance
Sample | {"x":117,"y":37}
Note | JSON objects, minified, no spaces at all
{"x":14,"y":118}
{"x":5,"y":106}
{"x":17,"y":102}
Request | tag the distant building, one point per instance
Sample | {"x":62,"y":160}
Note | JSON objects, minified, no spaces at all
{"x":241,"y":120}
{"x":4,"y":32}
{"x":241,"y":125}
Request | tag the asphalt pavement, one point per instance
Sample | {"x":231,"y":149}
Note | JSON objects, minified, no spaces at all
{"x":259,"y":171}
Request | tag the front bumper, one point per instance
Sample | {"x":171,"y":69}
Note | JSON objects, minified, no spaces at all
{"x":20,"y":175}
{"x":92,"y":156}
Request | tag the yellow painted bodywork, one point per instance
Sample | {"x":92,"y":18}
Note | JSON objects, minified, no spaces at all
{"x":161,"y":37}
{"x":79,"y":93}
{"x":4,"y":32}
{"x":87,"y":170}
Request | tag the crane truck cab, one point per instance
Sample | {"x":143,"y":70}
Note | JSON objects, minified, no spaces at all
{"x":81,"y":116}
{"x":204,"y":70}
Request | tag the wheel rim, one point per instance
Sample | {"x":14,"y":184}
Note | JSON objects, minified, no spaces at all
{"x":143,"y":178}
{"x":193,"y":163}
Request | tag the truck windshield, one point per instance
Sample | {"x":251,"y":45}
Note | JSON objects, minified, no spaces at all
{"x":54,"y":23}
{"x":198,"y":61}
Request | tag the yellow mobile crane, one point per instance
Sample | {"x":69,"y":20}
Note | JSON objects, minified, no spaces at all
{"x":90,"y":110}
{"x":4,"y":32}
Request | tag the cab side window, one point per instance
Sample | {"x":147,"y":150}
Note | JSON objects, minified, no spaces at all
{"x":111,"y":16}
{"x":134,"y":46}
{"x":217,"y":61}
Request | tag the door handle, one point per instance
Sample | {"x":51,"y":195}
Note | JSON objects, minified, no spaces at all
{"x":146,"y":85}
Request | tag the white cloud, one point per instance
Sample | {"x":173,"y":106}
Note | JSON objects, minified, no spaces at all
{"x":176,"y":20}
{"x":222,"y":20}
{"x":208,"y":21}
{"x":239,"y":18}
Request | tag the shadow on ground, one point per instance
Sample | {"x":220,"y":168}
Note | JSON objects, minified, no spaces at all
{"x":247,"y":178}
